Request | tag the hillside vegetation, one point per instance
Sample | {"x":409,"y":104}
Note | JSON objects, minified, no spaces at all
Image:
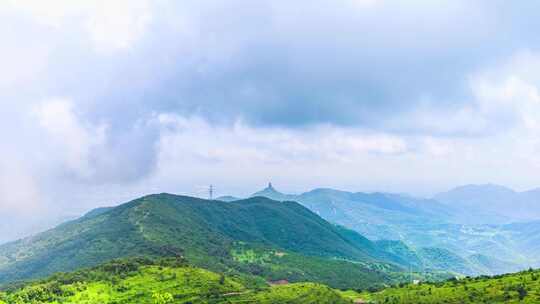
{"x":290,"y":241}
{"x":522,"y":287}
{"x":160,"y":282}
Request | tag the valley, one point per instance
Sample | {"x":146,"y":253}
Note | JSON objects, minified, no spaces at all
{"x":482,"y":241}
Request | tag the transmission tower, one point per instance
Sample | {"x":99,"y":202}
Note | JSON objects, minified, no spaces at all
{"x":211,"y":192}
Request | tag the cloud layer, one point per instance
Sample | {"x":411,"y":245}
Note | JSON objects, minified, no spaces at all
{"x":104,"y":101}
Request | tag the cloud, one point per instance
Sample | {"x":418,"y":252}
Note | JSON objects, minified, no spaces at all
{"x":185,"y":138}
{"x":75,"y":141}
{"x":193,"y":152}
{"x":110,"y":25}
{"x":18,"y":188}
{"x":92,"y":152}
{"x":354,"y":63}
{"x":511,"y":90}
{"x":119,"y":23}
{"x":355,"y":94}
{"x":298,"y":65}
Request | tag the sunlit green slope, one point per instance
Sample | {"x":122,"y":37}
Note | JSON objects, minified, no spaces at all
{"x":522,"y":287}
{"x":167,"y":281}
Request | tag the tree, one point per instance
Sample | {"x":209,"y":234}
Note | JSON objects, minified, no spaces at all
{"x":522,"y":292}
{"x":162,"y":298}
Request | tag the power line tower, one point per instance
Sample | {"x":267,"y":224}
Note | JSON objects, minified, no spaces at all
{"x":205,"y":191}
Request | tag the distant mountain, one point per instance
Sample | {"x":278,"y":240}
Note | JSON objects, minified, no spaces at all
{"x":421,"y":223}
{"x":473,"y":193}
{"x":375,"y":215}
{"x":492,"y":265}
{"x":361,"y":209}
{"x":271,"y":193}
{"x":439,"y":258}
{"x":526,"y":238}
{"x":532,"y":195}
{"x":505,"y":204}
{"x":321,"y":238}
{"x":276,"y":240}
{"x":228,"y":198}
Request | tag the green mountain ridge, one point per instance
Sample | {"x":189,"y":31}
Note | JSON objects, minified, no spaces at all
{"x":296,"y":243}
{"x":425,"y":223}
{"x":507,"y":204}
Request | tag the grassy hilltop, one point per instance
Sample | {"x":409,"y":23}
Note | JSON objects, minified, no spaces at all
{"x":161,"y":282}
{"x":522,"y":287}
{"x":257,"y":236}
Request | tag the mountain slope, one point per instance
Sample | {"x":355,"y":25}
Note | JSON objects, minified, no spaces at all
{"x":424,"y":223}
{"x":205,"y":232}
{"x":165,"y":281}
{"x":374,"y":215}
{"x":438,"y":258}
{"x":491,"y":265}
{"x":504,"y":204}
{"x":523,"y":287}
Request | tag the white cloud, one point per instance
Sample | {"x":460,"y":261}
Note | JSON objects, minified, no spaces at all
{"x":364,"y":3}
{"x":109,"y":25}
{"x":195,"y":137}
{"x":72,"y":139}
{"x":239,"y":157}
{"x":511,"y":90}
{"x":298,"y":65}
{"x":118,"y":24}
{"x":503,"y":99}
{"x":19,"y":191}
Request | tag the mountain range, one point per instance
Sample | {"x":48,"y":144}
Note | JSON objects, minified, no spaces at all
{"x":450,"y":221}
{"x":342,"y":239}
{"x":509,"y":205}
{"x":256,"y":236}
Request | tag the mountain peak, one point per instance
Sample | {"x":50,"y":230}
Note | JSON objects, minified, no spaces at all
{"x":268,"y":190}
{"x":482,"y":187}
{"x":271,"y":193}
{"x":483,"y":192}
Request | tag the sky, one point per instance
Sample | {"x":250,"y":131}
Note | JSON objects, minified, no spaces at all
{"x":104,"y":101}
